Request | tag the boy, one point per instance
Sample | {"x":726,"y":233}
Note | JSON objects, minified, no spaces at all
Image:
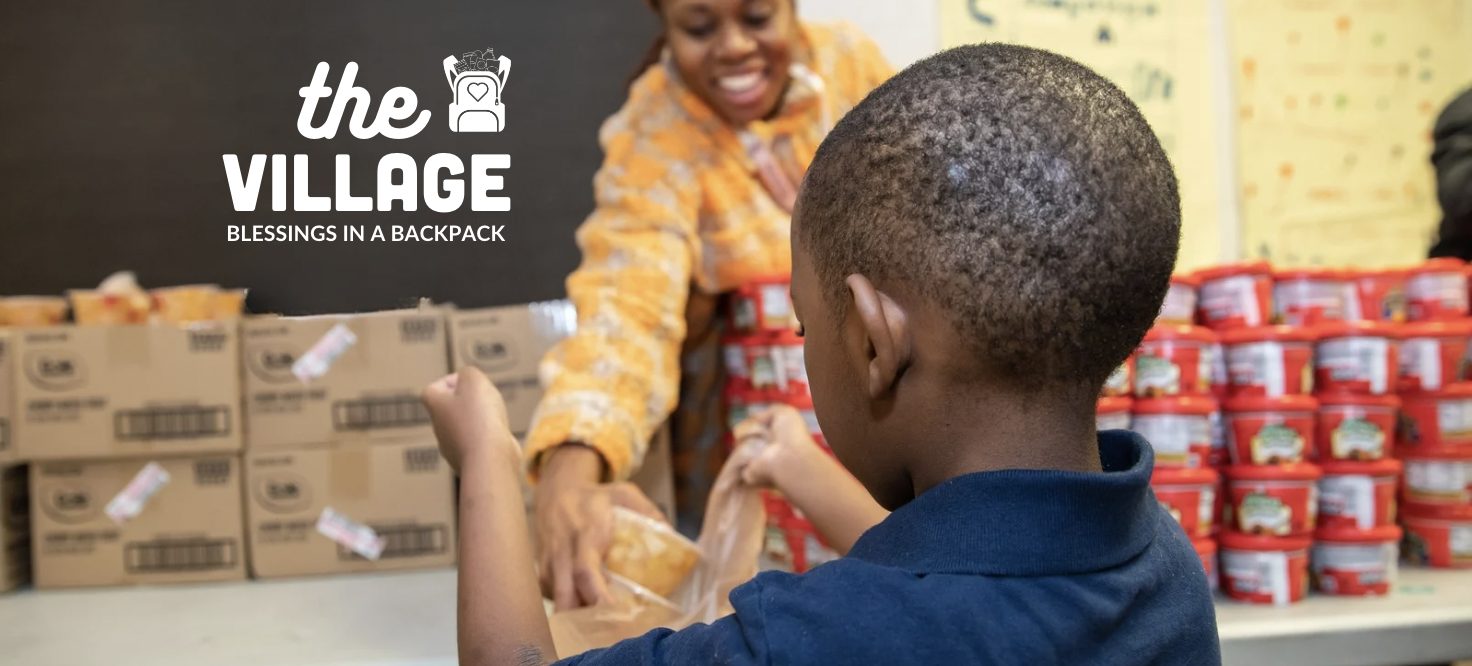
{"x":975,"y":247}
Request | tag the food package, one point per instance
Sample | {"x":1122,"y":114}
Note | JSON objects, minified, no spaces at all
{"x":32,"y":310}
{"x":118,"y":300}
{"x":227,"y":305}
{"x":179,"y":305}
{"x":728,"y":548}
{"x":649,"y":553}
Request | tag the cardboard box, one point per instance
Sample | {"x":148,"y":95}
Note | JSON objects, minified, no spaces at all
{"x":370,"y":391}
{"x":400,"y":490}
{"x":126,"y":391}
{"x":508,"y":343}
{"x":7,"y":397}
{"x":15,"y":528}
{"x":189,"y":530}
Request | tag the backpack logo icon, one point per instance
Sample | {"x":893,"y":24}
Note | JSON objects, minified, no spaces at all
{"x":477,"y":79}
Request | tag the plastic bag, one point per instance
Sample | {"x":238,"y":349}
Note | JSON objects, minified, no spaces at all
{"x":730,"y":541}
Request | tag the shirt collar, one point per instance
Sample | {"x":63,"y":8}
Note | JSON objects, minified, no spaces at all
{"x":1025,"y":522}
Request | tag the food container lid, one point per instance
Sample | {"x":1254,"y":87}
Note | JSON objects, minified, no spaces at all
{"x":1114,"y":404}
{"x":1453,"y":390}
{"x":1358,"y":329}
{"x":1382,"y":467}
{"x":1458,"y":512}
{"x":1179,"y":404}
{"x":1288,"y":472}
{"x":1240,"y":541}
{"x":1282,"y":403}
{"x":1439,"y":265}
{"x":1168,"y":476}
{"x":1436,"y":329}
{"x":1356,"y":399}
{"x":1310,"y":273}
{"x":1380,"y":274}
{"x":1353,"y":535}
{"x":1180,"y":332}
{"x":1188,"y":279}
{"x":1423,"y":453}
{"x":1204,"y":546}
{"x":1269,"y":333}
{"x":1228,"y":270}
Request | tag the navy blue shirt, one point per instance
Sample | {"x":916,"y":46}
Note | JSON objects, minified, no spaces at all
{"x":1005,"y":567}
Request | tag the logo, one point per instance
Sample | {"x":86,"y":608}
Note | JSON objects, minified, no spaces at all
{"x":476,"y":81}
{"x":272,"y":364}
{"x":68,"y":504}
{"x":55,"y":370}
{"x":283,"y":492}
{"x":489,"y":354}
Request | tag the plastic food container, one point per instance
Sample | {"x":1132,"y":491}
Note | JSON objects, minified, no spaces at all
{"x":187,"y":303}
{"x":1437,"y":290}
{"x":1178,"y":429}
{"x":1438,"y":536}
{"x":733,"y":355}
{"x":649,"y":553}
{"x":787,"y":352}
{"x":1218,"y":456}
{"x":32,"y":310}
{"x":1206,"y":550}
{"x":1236,"y":296}
{"x":1121,"y":382}
{"x":1433,"y":354}
{"x":1358,"y":495}
{"x":1270,"y":431}
{"x":1270,"y":361}
{"x":1189,"y":496}
{"x":1355,"y":563}
{"x":1356,"y":357}
{"x":1439,"y":476}
{"x":1310,"y":296}
{"x":1277,"y":500}
{"x":1436,"y":420}
{"x":1174,"y":360}
{"x":1264,"y":570}
{"x":98,"y":308}
{"x":763,"y":305}
{"x":1378,"y":296}
{"x":1179,"y":306}
{"x":763,"y":364}
{"x":1356,"y":427}
{"x":1113,"y":414}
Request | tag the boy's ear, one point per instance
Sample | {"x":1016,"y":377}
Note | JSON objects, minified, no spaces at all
{"x":886,"y":331}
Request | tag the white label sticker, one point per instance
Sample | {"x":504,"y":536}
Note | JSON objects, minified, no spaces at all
{"x":1230,"y":297}
{"x":352,"y":535}
{"x":1356,"y":360}
{"x":319,"y":359}
{"x":1460,"y":537}
{"x":1454,"y":419}
{"x":129,"y":501}
{"x":1441,"y":479}
{"x":1258,"y":364}
{"x":1420,"y":358}
{"x":1173,"y":435}
{"x":1447,"y":290}
{"x":1257,"y":573}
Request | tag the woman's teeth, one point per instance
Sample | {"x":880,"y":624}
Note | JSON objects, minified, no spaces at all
{"x":740,"y":83}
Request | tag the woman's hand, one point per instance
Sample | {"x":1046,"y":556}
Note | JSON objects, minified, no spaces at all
{"x":469,"y":418}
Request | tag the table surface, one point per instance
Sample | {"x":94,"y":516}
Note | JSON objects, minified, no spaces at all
{"x":408,"y":619}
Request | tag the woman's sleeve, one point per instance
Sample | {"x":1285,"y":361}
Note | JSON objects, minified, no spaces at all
{"x":612,"y":383}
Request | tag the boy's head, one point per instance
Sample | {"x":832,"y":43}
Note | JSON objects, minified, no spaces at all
{"x":993,"y":222}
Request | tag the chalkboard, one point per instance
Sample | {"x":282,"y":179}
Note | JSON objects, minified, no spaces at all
{"x":116,"y":116}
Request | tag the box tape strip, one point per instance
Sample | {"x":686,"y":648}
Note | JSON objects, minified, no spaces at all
{"x":319,"y":359}
{"x":129,"y":501}
{"x":351,"y":534}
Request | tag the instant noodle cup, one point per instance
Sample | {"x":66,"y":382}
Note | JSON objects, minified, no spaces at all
{"x":1356,"y":427}
{"x":763,"y":305}
{"x":1437,"y":290}
{"x":1264,"y":569}
{"x":1174,"y":360}
{"x":1378,"y":296}
{"x":1113,"y":413}
{"x":32,"y":310}
{"x":1188,"y":495}
{"x":733,"y":355}
{"x":1439,"y":476}
{"x":1179,"y":306}
{"x":1356,"y":357}
{"x":649,"y":553}
{"x":787,"y":354}
{"x":1121,"y":382}
{"x":1270,"y":361}
{"x":1437,"y":420}
{"x":1355,"y":563}
{"x":184,"y":304}
{"x":1277,"y":500}
{"x":1309,"y":296}
{"x":1433,"y":354}
{"x":1358,"y":495}
{"x":1270,"y":431}
{"x":1178,"y":429}
{"x":1438,"y":535}
{"x":1206,"y":550}
{"x":98,"y":308}
{"x":1236,"y":296}
{"x":763,"y":364}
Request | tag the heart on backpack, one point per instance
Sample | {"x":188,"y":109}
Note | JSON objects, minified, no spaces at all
{"x":477,"y":90}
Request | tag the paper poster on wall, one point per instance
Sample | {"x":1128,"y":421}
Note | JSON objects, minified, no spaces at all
{"x":1157,"y":51}
{"x":1335,"y":103}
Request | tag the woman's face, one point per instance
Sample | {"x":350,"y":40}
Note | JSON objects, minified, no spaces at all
{"x":733,"y":53}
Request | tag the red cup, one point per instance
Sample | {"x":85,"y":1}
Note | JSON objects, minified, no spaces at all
{"x":786,"y":351}
{"x":1355,"y":563}
{"x":1270,"y":431}
{"x":1437,"y":290}
{"x":1236,"y":296}
{"x":1270,"y":361}
{"x":1113,"y":413}
{"x":1188,"y":495}
{"x":1437,"y":420}
{"x":1121,"y":382}
{"x":1206,"y":550}
{"x":1358,"y":495}
{"x":1439,"y":476}
{"x":1356,"y":357}
{"x":1179,"y":306}
{"x":1378,"y":296}
{"x":1356,"y":427}
{"x":763,"y":366}
{"x":1178,"y":429}
{"x":1174,"y":360}
{"x":1438,"y":536}
{"x":1433,"y":354}
{"x":1309,"y":296}
{"x":763,"y":305}
{"x":1275,"y":500}
{"x":1264,"y":570}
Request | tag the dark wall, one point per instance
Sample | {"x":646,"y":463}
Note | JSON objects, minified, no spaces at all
{"x":114,"y":117}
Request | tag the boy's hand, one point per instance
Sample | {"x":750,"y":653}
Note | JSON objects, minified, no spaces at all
{"x":780,"y":447}
{"x":469,"y":418}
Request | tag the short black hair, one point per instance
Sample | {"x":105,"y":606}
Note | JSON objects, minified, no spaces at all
{"x":1015,"y":188}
